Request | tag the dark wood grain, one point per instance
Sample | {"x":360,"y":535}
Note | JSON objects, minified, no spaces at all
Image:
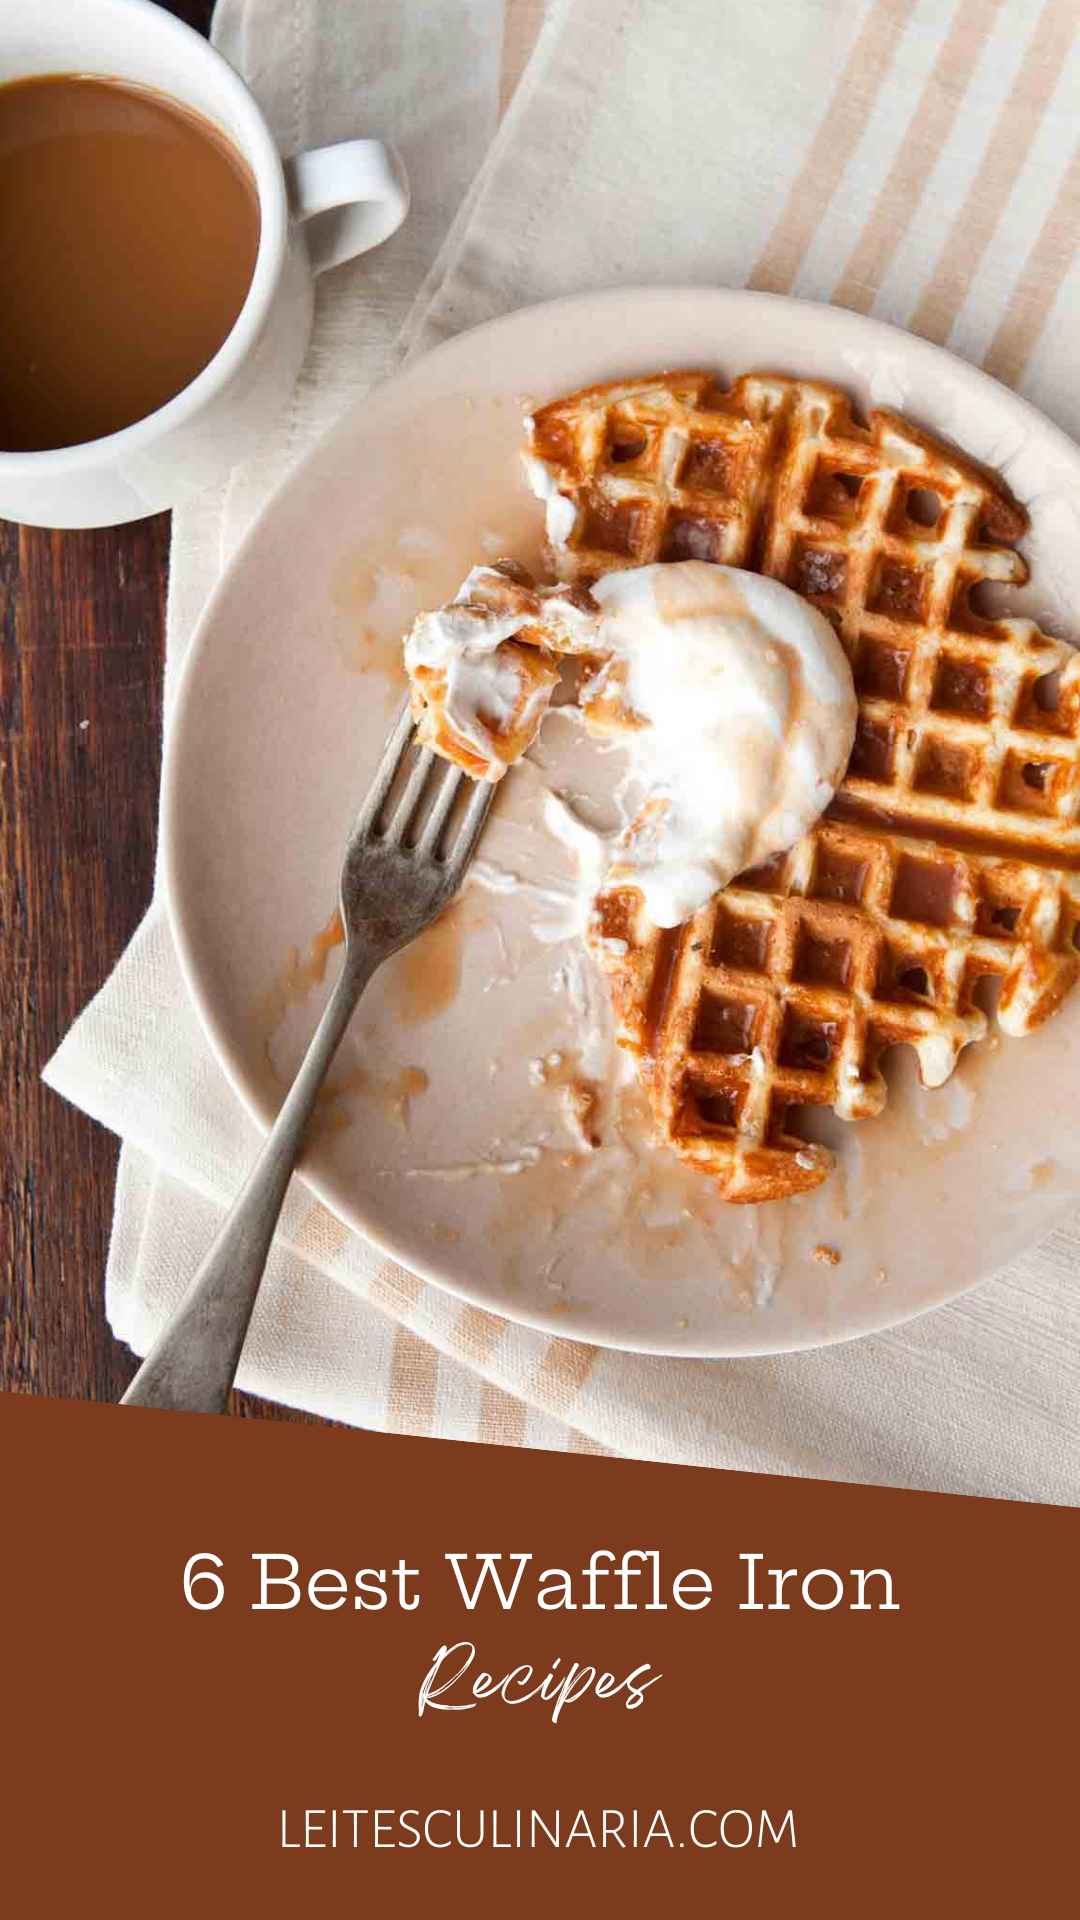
{"x":82,"y":618}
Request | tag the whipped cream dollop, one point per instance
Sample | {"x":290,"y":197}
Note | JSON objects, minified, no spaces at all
{"x":735,"y":701}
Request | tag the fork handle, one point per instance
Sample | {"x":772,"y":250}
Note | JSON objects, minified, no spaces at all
{"x":192,"y":1365}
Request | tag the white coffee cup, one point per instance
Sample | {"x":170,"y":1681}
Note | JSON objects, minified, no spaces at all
{"x":317,"y":209}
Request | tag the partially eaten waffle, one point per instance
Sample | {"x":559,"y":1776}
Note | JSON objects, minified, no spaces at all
{"x":949,"y":857}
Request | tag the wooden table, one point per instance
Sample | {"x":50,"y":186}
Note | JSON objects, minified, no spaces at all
{"x":82,"y":620}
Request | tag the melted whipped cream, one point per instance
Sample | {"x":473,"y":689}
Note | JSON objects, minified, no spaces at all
{"x":739,"y":710}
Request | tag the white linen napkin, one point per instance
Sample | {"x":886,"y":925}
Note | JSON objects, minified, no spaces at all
{"x":914,"y":160}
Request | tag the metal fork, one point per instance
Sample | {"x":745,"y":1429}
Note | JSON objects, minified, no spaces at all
{"x":396,"y":877}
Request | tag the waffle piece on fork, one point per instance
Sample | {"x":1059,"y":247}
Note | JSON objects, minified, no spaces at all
{"x":482,"y":669}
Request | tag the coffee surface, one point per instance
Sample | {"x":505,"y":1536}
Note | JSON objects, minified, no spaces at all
{"x":129,"y":228}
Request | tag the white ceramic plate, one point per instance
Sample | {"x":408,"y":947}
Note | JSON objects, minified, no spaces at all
{"x":439,"y":1143}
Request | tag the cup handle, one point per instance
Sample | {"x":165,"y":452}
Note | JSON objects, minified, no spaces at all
{"x":350,"y":197}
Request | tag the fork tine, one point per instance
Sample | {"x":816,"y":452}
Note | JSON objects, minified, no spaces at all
{"x":453,"y":780}
{"x":397,"y":745}
{"x":472,"y":822}
{"x":403,"y":812}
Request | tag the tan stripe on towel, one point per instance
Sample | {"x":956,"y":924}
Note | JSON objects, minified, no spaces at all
{"x":832,"y":146}
{"x":476,"y":1334}
{"x":524,"y":18}
{"x":502,"y":1418}
{"x":414,"y":1383}
{"x":414,"y":1365}
{"x":394,"y":1289}
{"x":1039,"y":284}
{"x":929,"y":128}
{"x":584,"y":1443}
{"x":321,"y":1235}
{"x":1016,"y":127}
{"x":563,"y":1372}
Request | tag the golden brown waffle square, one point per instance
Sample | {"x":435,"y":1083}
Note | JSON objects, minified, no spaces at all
{"x":967,"y":735}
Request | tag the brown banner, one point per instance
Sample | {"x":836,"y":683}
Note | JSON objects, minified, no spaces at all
{"x":629,"y":1728}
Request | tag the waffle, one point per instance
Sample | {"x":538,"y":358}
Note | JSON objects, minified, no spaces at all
{"x":951,"y":858}
{"x":521,"y":629}
{"x":784,"y":992}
